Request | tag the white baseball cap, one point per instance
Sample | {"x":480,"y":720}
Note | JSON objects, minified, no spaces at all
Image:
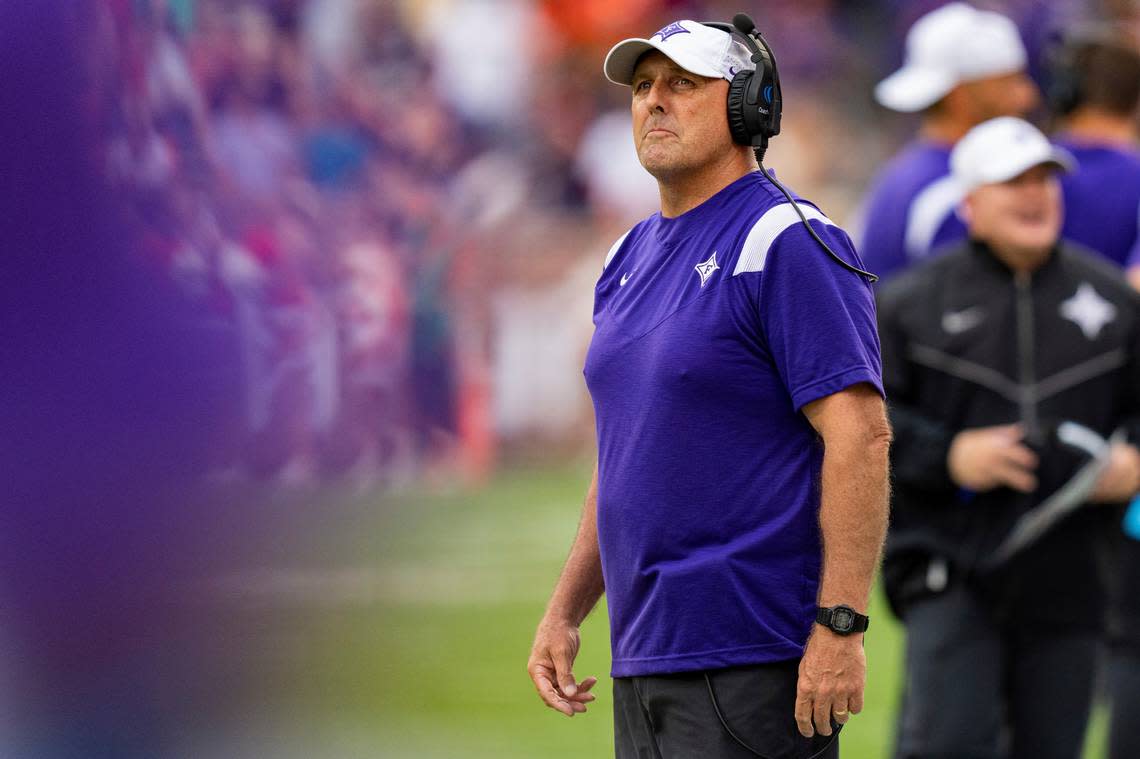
{"x":999,"y":149}
{"x":953,"y":44}
{"x":697,"y":48}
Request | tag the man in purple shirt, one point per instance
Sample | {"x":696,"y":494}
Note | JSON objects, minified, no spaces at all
{"x":963,"y":66}
{"x":738,"y":506}
{"x":1093,"y":90}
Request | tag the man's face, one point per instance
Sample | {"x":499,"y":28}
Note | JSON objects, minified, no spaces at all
{"x":1012,"y":94}
{"x":1020,"y":218}
{"x":680,"y":120}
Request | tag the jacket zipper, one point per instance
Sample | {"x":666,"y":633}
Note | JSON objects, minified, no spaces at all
{"x":1027,"y":403}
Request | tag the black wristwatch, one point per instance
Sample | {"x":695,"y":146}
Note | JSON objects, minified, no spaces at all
{"x":842,"y":619}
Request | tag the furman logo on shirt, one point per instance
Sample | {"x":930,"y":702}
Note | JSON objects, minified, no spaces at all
{"x":1088,"y":310}
{"x":706,"y":268}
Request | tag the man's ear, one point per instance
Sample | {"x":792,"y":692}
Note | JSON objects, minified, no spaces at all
{"x":959,"y":101}
{"x":965,"y":210}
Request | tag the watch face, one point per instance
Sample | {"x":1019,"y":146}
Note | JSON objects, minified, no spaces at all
{"x":842,"y":620}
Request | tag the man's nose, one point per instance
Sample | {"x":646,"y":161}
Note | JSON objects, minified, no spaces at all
{"x":655,"y":98}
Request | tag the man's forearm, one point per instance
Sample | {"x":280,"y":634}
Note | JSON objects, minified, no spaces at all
{"x":580,"y":585}
{"x":556,"y":642}
{"x":855,"y":494}
{"x":853,"y":522}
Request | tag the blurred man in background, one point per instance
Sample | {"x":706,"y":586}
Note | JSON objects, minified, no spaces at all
{"x":962,"y":67}
{"x":1093,"y":91}
{"x":1007,"y":360}
{"x":734,"y":367}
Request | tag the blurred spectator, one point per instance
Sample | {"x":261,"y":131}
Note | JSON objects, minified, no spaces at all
{"x":480,"y":48}
{"x":1011,"y":361}
{"x":1093,"y":90}
{"x":614,"y":179}
{"x":963,"y":66}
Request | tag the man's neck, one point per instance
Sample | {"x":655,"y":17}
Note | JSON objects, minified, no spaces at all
{"x":944,"y":129}
{"x":1099,"y":126}
{"x":685,"y":191}
{"x":1020,"y":261}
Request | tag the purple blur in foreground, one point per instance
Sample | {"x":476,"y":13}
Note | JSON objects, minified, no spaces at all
{"x":112,"y":399}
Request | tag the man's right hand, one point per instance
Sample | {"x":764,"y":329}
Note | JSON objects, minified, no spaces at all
{"x":551,"y":668}
{"x":985,"y":458}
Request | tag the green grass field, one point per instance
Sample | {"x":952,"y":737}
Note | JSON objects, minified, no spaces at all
{"x":419,"y":650}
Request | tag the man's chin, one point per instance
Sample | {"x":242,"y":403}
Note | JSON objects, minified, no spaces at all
{"x":1029,"y":251}
{"x":660,"y":163}
{"x":1036,"y":239}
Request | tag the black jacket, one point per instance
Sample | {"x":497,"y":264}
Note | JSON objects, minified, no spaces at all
{"x":966,"y":343}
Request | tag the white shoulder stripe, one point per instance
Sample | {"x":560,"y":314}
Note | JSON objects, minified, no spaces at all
{"x":765,"y":231}
{"x":615,"y":248}
{"x":927,"y":212}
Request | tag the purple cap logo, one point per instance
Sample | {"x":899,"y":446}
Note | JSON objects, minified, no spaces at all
{"x":669,"y":31}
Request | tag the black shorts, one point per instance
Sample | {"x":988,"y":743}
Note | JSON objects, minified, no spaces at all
{"x":734,"y":713}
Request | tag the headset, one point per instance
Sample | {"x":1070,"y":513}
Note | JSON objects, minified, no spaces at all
{"x":755,"y":104}
{"x":1068,"y":57}
{"x":755,"y":101}
{"x":1064,"y":80}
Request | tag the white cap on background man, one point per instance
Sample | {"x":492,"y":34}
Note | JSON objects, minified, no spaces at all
{"x":1000,"y":149}
{"x":953,"y":44}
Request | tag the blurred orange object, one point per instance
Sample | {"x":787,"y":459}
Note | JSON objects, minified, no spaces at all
{"x":597,"y":22}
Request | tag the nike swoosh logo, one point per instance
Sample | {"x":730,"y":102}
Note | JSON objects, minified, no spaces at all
{"x":624,"y":279}
{"x":957,"y":322}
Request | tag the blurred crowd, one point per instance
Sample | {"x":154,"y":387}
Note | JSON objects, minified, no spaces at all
{"x":294,"y":184}
{"x":394,"y":211}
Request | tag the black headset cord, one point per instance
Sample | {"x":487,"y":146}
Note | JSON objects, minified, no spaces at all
{"x":872,"y":278}
{"x":737,"y":738}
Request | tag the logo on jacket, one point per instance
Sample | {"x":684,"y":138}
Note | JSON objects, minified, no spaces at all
{"x":706,"y":268}
{"x":1088,"y":310}
{"x":957,"y":322}
{"x":625,"y":278}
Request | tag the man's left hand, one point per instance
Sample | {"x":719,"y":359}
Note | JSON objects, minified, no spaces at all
{"x":1121,"y":478}
{"x":833,"y":672}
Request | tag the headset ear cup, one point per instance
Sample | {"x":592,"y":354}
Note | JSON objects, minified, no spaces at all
{"x":1063,"y":95}
{"x":1066,"y":88}
{"x":737,"y":121}
{"x":1066,"y":64}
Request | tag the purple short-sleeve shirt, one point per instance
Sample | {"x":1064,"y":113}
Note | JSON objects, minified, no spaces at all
{"x":713,"y":330}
